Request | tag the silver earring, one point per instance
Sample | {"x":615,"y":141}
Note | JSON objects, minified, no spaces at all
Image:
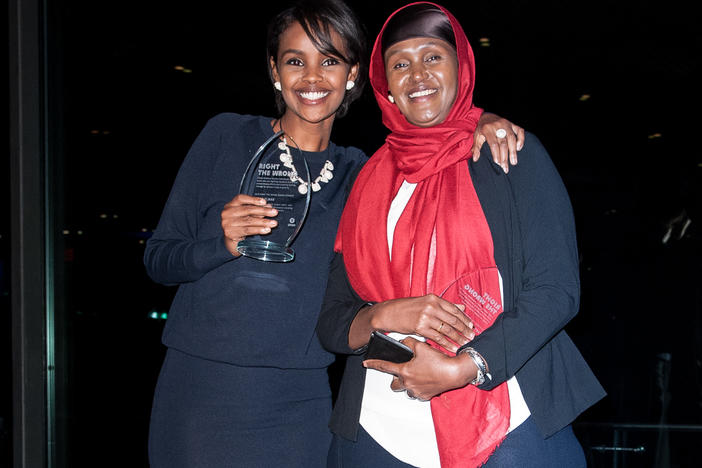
{"x":349,"y":85}
{"x":391,"y":99}
{"x":277,"y":86}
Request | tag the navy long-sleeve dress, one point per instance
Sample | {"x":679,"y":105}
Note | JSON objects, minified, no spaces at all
{"x":244,"y":381}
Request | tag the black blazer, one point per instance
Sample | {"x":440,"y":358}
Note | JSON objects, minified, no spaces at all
{"x":531,"y":222}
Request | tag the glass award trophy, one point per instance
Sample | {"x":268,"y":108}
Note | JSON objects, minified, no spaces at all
{"x":272,"y":174}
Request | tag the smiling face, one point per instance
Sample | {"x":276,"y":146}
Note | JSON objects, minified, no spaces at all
{"x":422,"y":75}
{"x":313,"y":84}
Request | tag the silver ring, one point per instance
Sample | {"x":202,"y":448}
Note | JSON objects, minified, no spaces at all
{"x":440,"y":327}
{"x":501,"y":133}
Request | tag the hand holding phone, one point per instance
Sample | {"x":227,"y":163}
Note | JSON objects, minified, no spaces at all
{"x":381,"y":346}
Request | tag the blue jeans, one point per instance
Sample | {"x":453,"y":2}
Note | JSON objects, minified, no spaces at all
{"x":524,"y":448}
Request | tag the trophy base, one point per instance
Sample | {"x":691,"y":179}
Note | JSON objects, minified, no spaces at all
{"x":265,"y":251}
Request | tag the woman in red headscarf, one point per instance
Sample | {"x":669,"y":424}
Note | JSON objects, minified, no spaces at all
{"x":476,"y":269}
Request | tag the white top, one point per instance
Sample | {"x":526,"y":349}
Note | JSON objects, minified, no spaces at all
{"x":402,"y":426}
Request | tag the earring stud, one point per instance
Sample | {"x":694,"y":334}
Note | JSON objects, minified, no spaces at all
{"x":349,"y":85}
{"x":277,"y":86}
{"x":391,"y":99}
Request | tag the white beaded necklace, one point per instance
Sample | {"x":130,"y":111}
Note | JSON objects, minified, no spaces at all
{"x":325,"y":175}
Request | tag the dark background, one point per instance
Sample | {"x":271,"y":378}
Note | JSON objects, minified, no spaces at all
{"x":122,"y":118}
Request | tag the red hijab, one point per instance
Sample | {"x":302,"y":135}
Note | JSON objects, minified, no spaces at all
{"x":441,"y":235}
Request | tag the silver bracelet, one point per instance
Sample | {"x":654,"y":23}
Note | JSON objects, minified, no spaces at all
{"x":483,"y":371}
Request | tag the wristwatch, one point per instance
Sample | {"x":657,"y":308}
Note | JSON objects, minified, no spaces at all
{"x":483,"y":371}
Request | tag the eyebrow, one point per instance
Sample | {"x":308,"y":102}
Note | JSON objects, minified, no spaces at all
{"x":299,"y":52}
{"x":292,"y":51}
{"x":424,"y":45}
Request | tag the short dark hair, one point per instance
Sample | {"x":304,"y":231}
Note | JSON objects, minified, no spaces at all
{"x":318,"y":18}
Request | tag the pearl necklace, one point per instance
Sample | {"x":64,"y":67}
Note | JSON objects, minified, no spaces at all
{"x":325,"y":175}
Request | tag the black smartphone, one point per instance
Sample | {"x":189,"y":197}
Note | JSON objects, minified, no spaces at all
{"x":383,"y":347}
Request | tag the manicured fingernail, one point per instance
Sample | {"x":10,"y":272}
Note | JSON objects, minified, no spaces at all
{"x":265,"y":229}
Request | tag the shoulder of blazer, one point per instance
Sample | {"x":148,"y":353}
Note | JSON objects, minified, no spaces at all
{"x":497,"y":198}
